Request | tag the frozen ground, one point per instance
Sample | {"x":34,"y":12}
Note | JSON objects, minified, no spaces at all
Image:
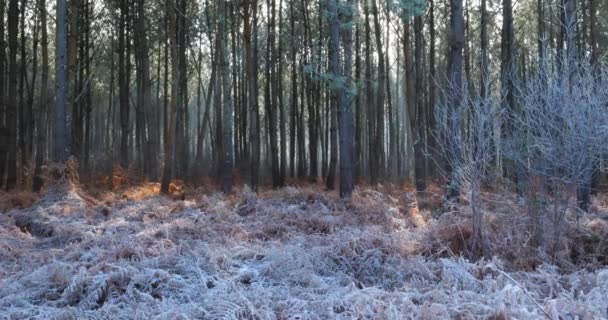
{"x":288,"y":254}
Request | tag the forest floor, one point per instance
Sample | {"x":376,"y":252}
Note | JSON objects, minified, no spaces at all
{"x":293,"y":253}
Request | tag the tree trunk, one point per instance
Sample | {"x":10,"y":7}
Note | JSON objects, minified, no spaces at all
{"x":87,"y":90}
{"x":301,"y":129}
{"x":540,"y":12}
{"x":484,"y":69}
{"x":270,"y":93}
{"x":25,"y":112}
{"x":410,"y":93}
{"x":420,"y":125}
{"x":168,"y":154}
{"x":455,"y":77}
{"x":250,"y":38}
{"x":432,"y":78}
{"x":43,"y":99}
{"x":144,"y":99}
{"x":337,"y":89}
{"x":379,"y":134}
{"x":593,"y":32}
{"x":392,"y":133}
{"x":60,"y":139}
{"x":228,"y":107}
{"x":123,"y":84}
{"x":358,"y":157}
{"x":369,"y":93}
{"x":346,"y":114}
{"x":294,"y":94}
{"x":11,"y":116}
{"x":4,"y":134}
{"x":279,"y":95}
{"x":570,"y":30}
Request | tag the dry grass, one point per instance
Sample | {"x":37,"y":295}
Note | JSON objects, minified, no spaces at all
{"x":293,"y":253}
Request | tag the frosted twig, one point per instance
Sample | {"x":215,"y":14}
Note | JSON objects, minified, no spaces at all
{"x":524,"y":289}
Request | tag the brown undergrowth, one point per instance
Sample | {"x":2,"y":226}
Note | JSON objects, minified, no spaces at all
{"x":296,"y":252}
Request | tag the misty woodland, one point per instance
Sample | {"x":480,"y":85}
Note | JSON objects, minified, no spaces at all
{"x":304,"y":159}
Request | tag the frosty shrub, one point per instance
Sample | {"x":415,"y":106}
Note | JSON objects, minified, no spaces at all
{"x":464,"y":133}
{"x":560,"y":129}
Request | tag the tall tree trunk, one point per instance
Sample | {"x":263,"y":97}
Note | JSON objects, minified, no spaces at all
{"x":294,"y":94}
{"x":279,"y":95}
{"x":87,"y":90}
{"x":369,"y":93}
{"x":29,"y":134}
{"x":250,"y":20}
{"x":346,"y":114}
{"x":432,"y":79}
{"x":409,"y":89}
{"x":337,"y":95}
{"x":43,"y":98}
{"x":4,"y":134}
{"x":570,"y":34}
{"x":123,"y":84}
{"x":467,"y":50}
{"x":455,"y":77}
{"x":270,"y":93}
{"x":393,"y":137}
{"x":420,"y":125}
{"x":593,"y":32}
{"x":168,"y":154}
{"x":166,"y":81}
{"x":60,"y":139}
{"x":484,"y":68}
{"x":307,"y":87}
{"x":235,"y":86}
{"x":74,"y":82}
{"x":508,"y":72}
{"x":11,"y":116}
{"x":379,"y":134}
{"x":144,"y":95}
{"x":228,"y":107}
{"x":358,"y":157}
{"x":540,"y":13}
{"x":25,"y":114}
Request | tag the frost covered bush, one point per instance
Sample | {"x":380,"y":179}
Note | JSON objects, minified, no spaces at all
{"x":561,"y":129}
{"x":465,"y":136}
{"x":157,"y":259}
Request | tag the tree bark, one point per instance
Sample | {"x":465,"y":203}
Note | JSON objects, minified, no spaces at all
{"x":484,"y":69}
{"x":60,"y":139}
{"x":123,"y":84}
{"x":168,"y":154}
{"x":337,"y":89}
{"x":346,"y":114}
{"x":369,"y":95}
{"x":294,"y":94}
{"x":279,"y":95}
{"x":455,"y":77}
{"x":540,"y":13}
{"x":270,"y":93}
{"x":420,"y":125}
{"x":11,"y":115}
{"x":228,"y":106}
{"x":250,"y":37}
{"x":43,"y":98}
{"x":358,"y":157}
{"x":379,"y":127}
{"x":4,"y":134}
